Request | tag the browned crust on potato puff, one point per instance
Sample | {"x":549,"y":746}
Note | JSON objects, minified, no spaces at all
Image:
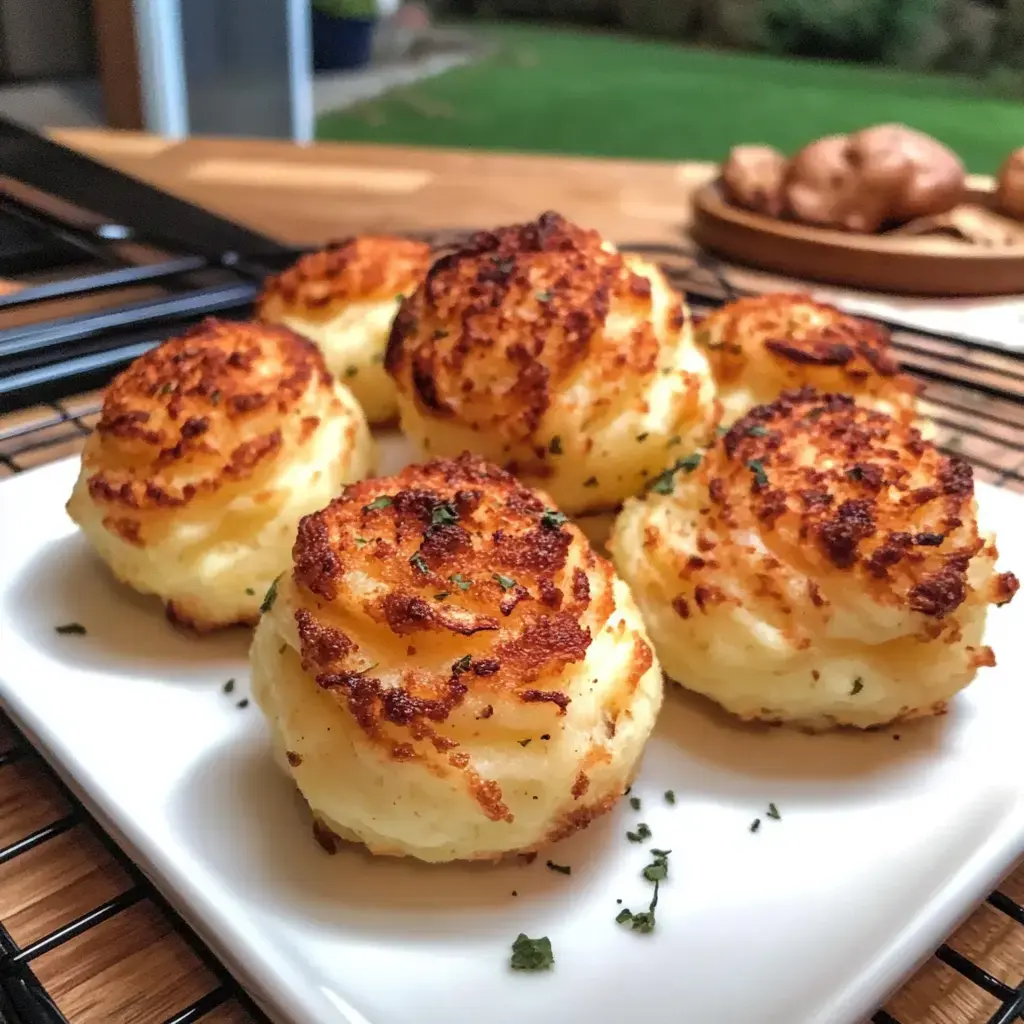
{"x":580,"y":818}
{"x":198,"y":412}
{"x":189,"y":622}
{"x":457,"y":550}
{"x":844,"y":489}
{"x":360,"y":269}
{"x":801,"y":332}
{"x":499,"y":325}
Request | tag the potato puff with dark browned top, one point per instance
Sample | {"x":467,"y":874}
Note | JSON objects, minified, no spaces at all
{"x":760,"y":346}
{"x":208,"y":451}
{"x":546,"y":350}
{"x":821,"y":565}
{"x":344,"y":297}
{"x":449,"y":670}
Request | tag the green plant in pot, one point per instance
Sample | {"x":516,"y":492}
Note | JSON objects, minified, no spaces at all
{"x":343,"y":33}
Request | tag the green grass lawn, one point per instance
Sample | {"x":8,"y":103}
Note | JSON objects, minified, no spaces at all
{"x":558,"y":90}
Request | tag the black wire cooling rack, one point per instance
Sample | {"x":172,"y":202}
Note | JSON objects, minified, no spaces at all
{"x":974,"y":393}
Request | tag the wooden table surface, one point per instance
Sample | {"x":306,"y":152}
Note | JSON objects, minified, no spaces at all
{"x":134,"y":968}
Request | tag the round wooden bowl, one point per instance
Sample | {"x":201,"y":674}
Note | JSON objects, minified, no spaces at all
{"x":922,"y":265}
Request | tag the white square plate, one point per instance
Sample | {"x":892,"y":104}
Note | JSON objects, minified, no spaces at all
{"x":883,"y":845}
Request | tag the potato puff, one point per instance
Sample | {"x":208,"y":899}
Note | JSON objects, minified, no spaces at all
{"x":547,"y":351}
{"x":344,"y":298}
{"x":449,"y":671}
{"x":821,"y":565}
{"x":208,"y":451}
{"x":760,"y":346}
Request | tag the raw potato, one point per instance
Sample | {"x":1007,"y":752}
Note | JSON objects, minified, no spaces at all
{"x":449,"y":671}
{"x":822,"y":566}
{"x":209,"y":450}
{"x":885,"y":175}
{"x":345,"y":298}
{"x":1010,"y":189}
{"x":555,"y":356}
{"x":759,"y":347}
{"x":752,"y":177}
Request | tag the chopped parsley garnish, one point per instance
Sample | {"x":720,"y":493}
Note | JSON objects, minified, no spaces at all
{"x":555,"y":447}
{"x":856,"y":473}
{"x":644,"y":921}
{"x":670,"y":796}
{"x":524,"y":743}
{"x":382,"y":502}
{"x":167,"y":389}
{"x":721,"y":431}
{"x":441,"y":595}
{"x":755,"y":824}
{"x":460,"y":581}
{"x":634,"y":802}
{"x":591,"y":481}
{"x":757,"y":431}
{"x":250,"y":591}
{"x":659,"y":853}
{"x":71,"y":629}
{"x":361,"y":542}
{"x":270,"y":597}
{"x":643,"y":437}
{"x":545,"y":296}
{"x":505,"y":582}
{"x":229,"y":686}
{"x":439,"y":334}
{"x":243,"y":703}
{"x":657,"y":870}
{"x":552,"y":519}
{"x":665,"y":482}
{"x":417,"y":562}
{"x":773,"y":812}
{"x":443,"y":514}
{"x":462,"y":665}
{"x":351,"y":371}
{"x":505,"y":264}
{"x":756,"y":466}
{"x":532,"y":954}
{"x":215,"y":397}
{"x":673,"y":441}
{"x":642,"y":832}
{"x":562,"y":869}
{"x":858,"y":685}
{"x":399,"y":297}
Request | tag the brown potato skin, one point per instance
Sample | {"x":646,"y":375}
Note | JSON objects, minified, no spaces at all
{"x":1010,"y":185}
{"x":881,"y":176}
{"x":752,"y":177}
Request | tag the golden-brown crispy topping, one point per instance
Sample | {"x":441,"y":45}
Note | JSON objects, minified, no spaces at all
{"x":467,"y":551}
{"x":198,"y":412}
{"x":855,"y":488}
{"x":499,"y":325}
{"x":352,"y":270}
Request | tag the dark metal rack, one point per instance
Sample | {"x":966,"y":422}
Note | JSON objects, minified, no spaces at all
{"x":204,"y":265}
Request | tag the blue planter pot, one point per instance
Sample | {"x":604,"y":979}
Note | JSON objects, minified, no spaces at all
{"x":340,"y":43}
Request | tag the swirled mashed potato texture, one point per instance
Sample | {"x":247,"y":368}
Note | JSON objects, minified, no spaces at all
{"x":760,"y":346}
{"x":209,"y":450}
{"x":449,"y":671}
{"x":821,"y":565}
{"x":566,"y":362}
{"x":344,"y":298}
